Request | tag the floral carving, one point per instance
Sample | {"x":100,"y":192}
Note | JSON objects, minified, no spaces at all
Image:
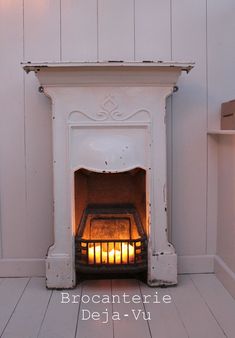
{"x":109,"y":104}
{"x":109,"y":112}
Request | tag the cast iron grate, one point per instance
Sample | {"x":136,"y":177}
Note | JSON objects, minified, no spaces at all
{"x":110,"y":239}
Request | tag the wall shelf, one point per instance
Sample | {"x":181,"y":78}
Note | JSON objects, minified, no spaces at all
{"x":220,"y":132}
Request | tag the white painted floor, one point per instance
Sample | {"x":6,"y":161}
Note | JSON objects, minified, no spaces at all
{"x":200,"y":308}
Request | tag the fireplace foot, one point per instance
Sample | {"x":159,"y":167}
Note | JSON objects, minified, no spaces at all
{"x":162,"y":270}
{"x":60,"y":272}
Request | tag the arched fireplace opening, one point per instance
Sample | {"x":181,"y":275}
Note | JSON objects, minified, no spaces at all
{"x":110,"y":221}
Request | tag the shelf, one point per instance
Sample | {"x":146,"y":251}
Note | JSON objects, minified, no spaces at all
{"x":220,"y":132}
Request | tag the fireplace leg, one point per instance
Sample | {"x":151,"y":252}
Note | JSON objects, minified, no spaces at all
{"x":60,"y":271}
{"x":162,"y":269}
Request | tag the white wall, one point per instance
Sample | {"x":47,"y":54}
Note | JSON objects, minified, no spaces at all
{"x":91,"y":30}
{"x":221,"y":56}
{"x":225,"y":260}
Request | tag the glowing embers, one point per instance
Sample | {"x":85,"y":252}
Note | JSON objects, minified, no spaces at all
{"x":109,"y":229}
{"x":111,"y":253}
{"x":110,"y":238}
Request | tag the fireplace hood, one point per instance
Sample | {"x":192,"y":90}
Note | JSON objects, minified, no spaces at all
{"x":108,"y":123}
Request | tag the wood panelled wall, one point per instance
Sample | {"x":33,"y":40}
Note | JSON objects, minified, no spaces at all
{"x":91,"y":30}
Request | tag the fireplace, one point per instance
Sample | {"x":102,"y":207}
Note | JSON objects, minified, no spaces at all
{"x":109,"y":155}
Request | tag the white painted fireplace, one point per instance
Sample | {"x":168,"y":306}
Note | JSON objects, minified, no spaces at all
{"x":109,"y":118}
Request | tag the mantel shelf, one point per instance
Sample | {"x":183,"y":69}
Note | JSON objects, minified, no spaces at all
{"x":220,"y":132}
{"x":183,"y":66}
{"x":108,"y":74}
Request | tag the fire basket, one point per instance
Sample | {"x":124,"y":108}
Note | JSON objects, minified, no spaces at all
{"x":110,"y":239}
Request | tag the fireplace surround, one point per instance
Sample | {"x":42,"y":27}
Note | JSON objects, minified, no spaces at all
{"x":109,"y":163}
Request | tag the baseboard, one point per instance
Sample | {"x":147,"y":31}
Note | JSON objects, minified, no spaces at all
{"x":225,"y":275}
{"x":196,"y":264}
{"x":36,"y":267}
{"x":10,"y":267}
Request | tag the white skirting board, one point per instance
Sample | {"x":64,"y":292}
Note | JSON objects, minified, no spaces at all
{"x":36,"y":267}
{"x":225,"y":275}
{"x":22,"y":267}
{"x":196,"y":264}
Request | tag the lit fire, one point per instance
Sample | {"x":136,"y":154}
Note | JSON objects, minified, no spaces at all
{"x":112,"y":256}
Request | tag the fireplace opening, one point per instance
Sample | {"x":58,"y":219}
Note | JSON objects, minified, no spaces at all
{"x":110,"y":221}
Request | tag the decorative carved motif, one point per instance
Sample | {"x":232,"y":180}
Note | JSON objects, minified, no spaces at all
{"x":78,"y":116}
{"x":118,"y":116}
{"x":109,"y":112}
{"x":109,"y":104}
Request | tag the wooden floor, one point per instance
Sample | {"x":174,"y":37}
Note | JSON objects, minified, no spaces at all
{"x":200,"y":307}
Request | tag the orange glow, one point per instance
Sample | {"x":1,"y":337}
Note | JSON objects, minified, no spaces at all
{"x":108,"y":256}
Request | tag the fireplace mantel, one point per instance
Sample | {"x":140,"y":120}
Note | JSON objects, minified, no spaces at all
{"x":102,"y":73}
{"x":109,"y":117}
{"x":183,"y":66}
